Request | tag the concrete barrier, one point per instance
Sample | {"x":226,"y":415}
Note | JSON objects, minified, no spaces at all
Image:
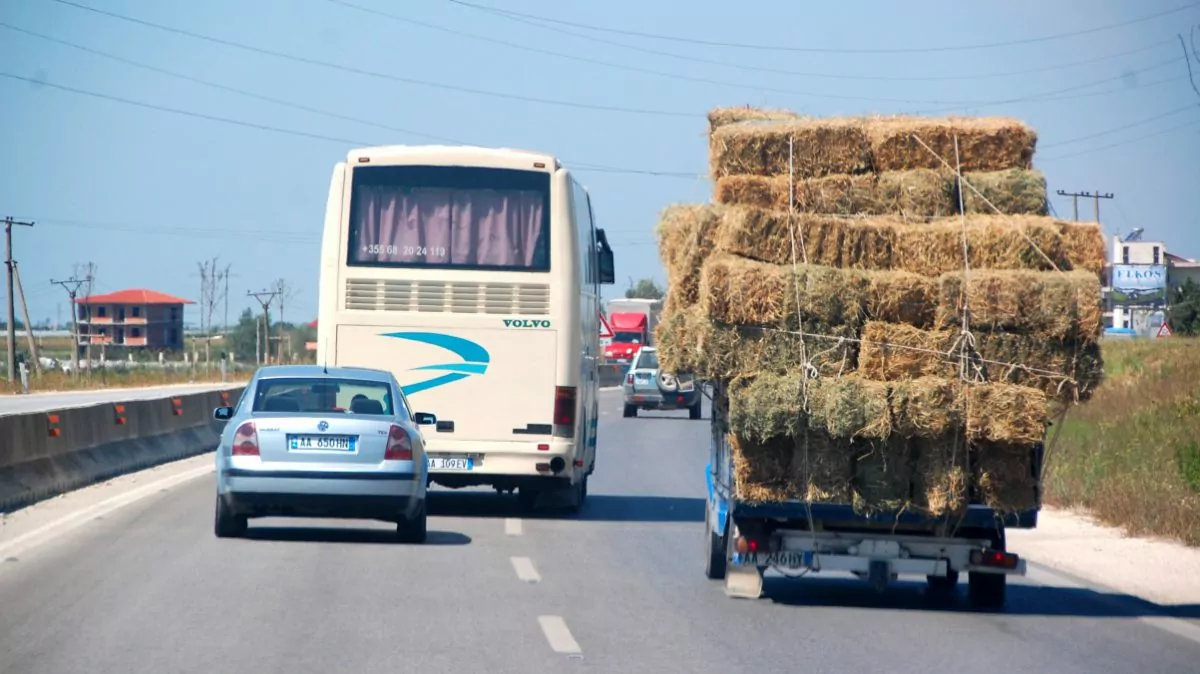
{"x":611,"y":374}
{"x":44,"y":454}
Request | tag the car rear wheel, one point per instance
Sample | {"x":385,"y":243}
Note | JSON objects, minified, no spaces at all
{"x":414,"y":529}
{"x":226,"y":524}
{"x":630,"y":411}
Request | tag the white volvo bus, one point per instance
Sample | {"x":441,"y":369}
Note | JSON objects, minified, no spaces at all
{"x":474,"y":275}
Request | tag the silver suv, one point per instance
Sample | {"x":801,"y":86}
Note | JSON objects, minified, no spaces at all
{"x":648,"y":388}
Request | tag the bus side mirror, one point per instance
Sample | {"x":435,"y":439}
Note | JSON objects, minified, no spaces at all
{"x":604,"y":260}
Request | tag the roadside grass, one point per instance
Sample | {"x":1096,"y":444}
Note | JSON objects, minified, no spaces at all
{"x":1131,"y":455}
{"x":56,"y":380}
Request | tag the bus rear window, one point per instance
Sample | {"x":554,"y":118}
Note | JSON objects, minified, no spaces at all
{"x":450,"y":217}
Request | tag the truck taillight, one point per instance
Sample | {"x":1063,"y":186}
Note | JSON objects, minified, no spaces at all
{"x":245,"y":440}
{"x":399,"y":445}
{"x":564,"y":406}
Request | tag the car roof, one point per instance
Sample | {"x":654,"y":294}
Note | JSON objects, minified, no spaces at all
{"x":322,"y":372}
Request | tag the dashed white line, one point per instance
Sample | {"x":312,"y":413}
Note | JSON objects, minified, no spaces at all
{"x":555,"y":629}
{"x":525,"y":571}
{"x":512,"y":526}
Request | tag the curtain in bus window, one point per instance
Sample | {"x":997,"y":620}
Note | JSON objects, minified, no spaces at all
{"x":442,"y":226}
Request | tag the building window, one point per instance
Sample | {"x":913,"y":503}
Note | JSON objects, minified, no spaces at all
{"x":174,"y":313}
{"x":174,"y":336}
{"x":101,"y":312}
{"x":1156,"y":254}
{"x":137,"y":332}
{"x":1125,"y":255}
{"x":137,"y":312}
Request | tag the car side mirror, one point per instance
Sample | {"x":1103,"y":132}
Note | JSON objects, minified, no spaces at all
{"x":223,"y":413}
{"x":605,"y":265}
{"x":425,"y":419}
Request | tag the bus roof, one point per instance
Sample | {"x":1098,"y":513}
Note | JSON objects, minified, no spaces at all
{"x":452,"y":155}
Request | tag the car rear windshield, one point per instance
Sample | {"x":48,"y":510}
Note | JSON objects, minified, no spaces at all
{"x":323,"y":395}
{"x":450,"y":217}
{"x":647,"y":361}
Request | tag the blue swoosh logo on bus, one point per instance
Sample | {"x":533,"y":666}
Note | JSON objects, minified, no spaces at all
{"x":474,"y":357}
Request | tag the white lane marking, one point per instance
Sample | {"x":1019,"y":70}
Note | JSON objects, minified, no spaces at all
{"x":555,"y":629}
{"x":512,"y":526}
{"x":64,"y":524}
{"x":1181,"y":628}
{"x":525,"y":571}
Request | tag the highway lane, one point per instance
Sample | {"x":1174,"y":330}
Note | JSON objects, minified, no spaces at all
{"x":148,"y":589}
{"x":45,"y":402}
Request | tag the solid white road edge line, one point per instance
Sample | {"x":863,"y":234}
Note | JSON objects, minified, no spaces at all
{"x":524,"y":568}
{"x":512,"y":526}
{"x":555,"y":629}
{"x":62,"y":525}
{"x":1043,"y":575}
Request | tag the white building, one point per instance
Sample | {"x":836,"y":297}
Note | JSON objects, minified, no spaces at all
{"x":1153,"y":272}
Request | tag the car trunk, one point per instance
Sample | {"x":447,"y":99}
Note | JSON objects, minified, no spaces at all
{"x":331,"y":439}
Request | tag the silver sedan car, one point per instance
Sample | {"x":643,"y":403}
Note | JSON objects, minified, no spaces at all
{"x":309,"y":441}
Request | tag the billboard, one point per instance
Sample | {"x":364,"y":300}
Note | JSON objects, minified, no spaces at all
{"x":1139,"y":284}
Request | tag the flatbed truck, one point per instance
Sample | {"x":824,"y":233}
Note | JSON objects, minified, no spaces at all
{"x":744,"y":539}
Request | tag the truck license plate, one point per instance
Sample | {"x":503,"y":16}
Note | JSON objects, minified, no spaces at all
{"x":789,"y":559}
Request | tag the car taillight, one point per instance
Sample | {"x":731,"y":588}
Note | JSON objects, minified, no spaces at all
{"x":399,"y":445}
{"x":245,"y":440}
{"x":629,"y":379}
{"x":564,"y":406}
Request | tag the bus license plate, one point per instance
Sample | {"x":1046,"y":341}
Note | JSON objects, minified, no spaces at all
{"x":343,"y":443}
{"x":449,"y":463}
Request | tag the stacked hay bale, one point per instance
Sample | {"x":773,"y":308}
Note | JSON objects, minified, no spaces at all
{"x":875,"y":345}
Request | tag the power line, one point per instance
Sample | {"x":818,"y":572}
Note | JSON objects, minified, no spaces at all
{"x":1129,"y":141}
{"x":820,"y":50}
{"x":379,"y":75}
{"x":1097,"y":196}
{"x":583,"y":166}
{"x":1123,"y":127}
{"x":799,"y":73}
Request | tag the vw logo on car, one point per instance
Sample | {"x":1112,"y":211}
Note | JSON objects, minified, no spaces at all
{"x":323,"y":426}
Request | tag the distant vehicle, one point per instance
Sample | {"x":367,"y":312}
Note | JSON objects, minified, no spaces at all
{"x":474,"y":276}
{"x":647,"y":387}
{"x":632,"y":321}
{"x":304,"y":441}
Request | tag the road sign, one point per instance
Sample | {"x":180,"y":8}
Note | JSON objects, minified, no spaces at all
{"x":1164,"y":331}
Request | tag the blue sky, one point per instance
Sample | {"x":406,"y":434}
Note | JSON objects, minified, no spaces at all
{"x":147,"y":194}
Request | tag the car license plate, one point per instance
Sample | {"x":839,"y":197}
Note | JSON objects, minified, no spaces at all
{"x":450,"y":463}
{"x":642,"y":377}
{"x":343,"y":443}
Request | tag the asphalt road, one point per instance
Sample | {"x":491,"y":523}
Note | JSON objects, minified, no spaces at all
{"x":45,"y":402}
{"x":149,"y":589}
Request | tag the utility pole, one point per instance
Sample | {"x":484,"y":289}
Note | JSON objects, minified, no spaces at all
{"x":72,"y":286}
{"x":9,"y":223}
{"x":1096,"y":197}
{"x":33,"y":351}
{"x":89,"y":282}
{"x":284,"y":289}
{"x":264,"y":298}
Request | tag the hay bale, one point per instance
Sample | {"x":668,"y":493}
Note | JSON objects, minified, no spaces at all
{"x":1005,"y":476}
{"x":927,"y":407}
{"x":883,"y":475}
{"x":689,"y":342}
{"x":762,"y":470}
{"x":1046,"y":305}
{"x":1065,"y":371}
{"x":822,"y":469}
{"x":890,"y":243}
{"x":984,"y":143}
{"x":1015,"y":192}
{"x":685,"y":240}
{"x":921,"y":193}
{"x":718,"y":117}
{"x":1005,"y":413}
{"x":901,"y":297}
{"x":819,"y":147}
{"x":940,"y":485}
{"x":772,"y":405}
{"x":737,"y":291}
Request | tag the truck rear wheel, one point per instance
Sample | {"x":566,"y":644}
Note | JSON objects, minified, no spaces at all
{"x":714,"y":549}
{"x":989,"y":591}
{"x":630,"y":411}
{"x":695,"y":412}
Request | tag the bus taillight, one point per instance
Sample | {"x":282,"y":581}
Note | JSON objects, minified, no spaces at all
{"x":564,"y":406}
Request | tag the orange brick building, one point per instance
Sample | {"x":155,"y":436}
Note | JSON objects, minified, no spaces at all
{"x":134,"y":318}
